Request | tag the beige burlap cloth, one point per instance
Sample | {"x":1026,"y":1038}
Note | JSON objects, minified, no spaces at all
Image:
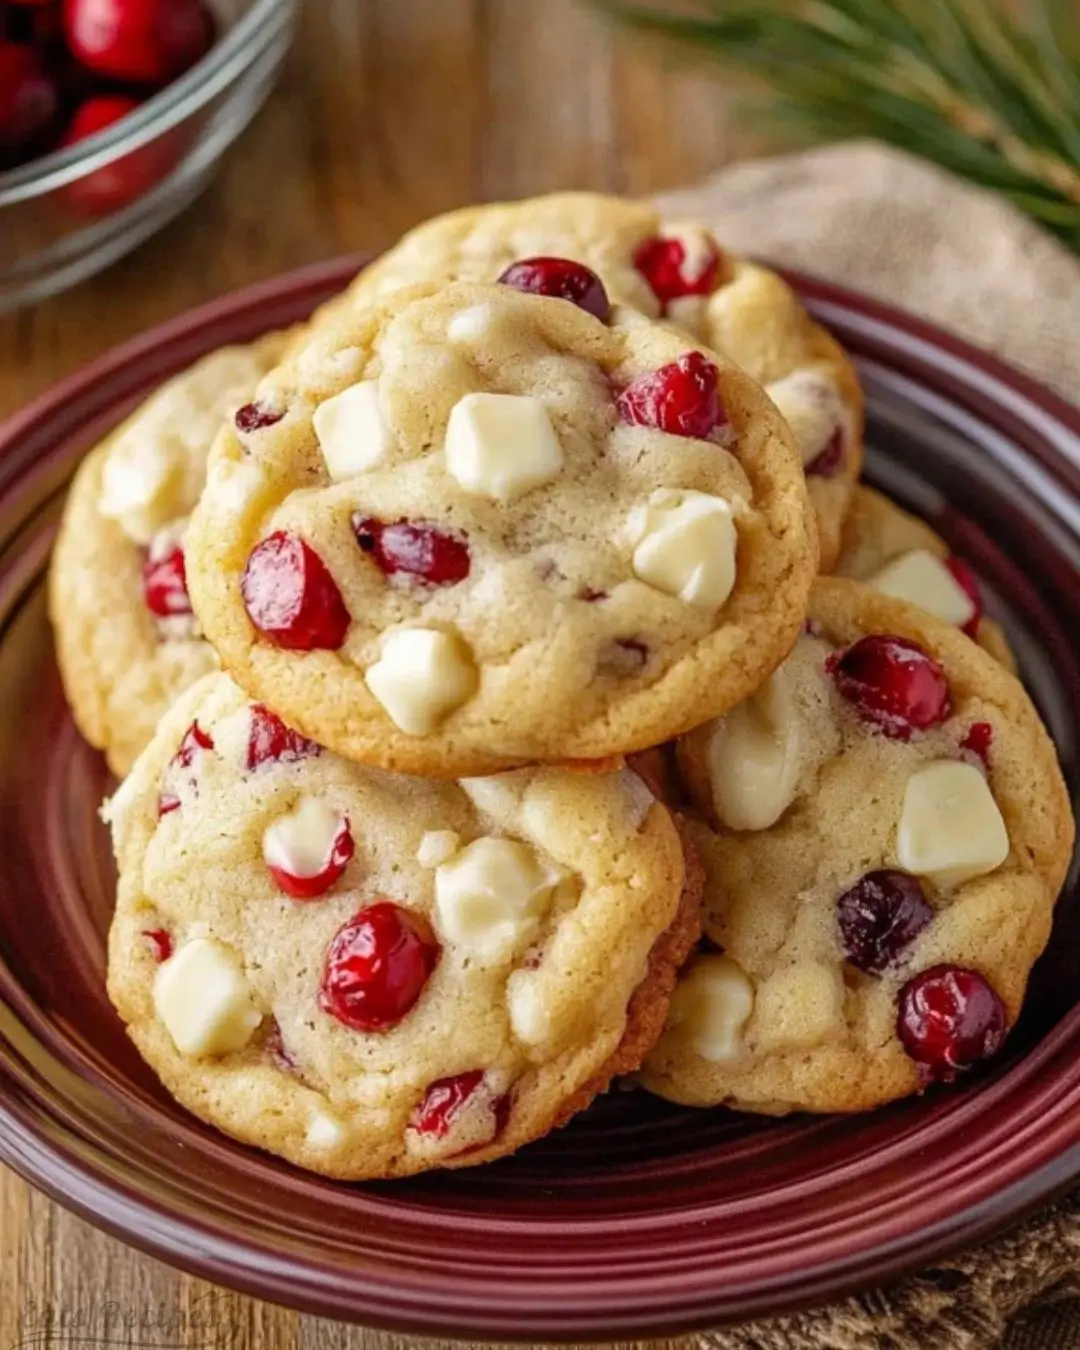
{"x":885,"y":223}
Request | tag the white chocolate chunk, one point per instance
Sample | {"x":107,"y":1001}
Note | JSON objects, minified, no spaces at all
{"x":471,"y":325}
{"x":686,"y":545}
{"x":140,"y":481}
{"x":203,"y":997}
{"x":530,"y":1015}
{"x":490,"y":896}
{"x":756,"y":755}
{"x":232,"y":484}
{"x":421,"y":676}
{"x":711,"y":1006}
{"x":502,"y":445}
{"x":699,"y":248}
{"x":499,"y":795}
{"x":353,"y":433}
{"x":924,"y":580}
{"x":301,"y":842}
{"x":437,"y":846}
{"x":811,"y":405}
{"x":951,"y":828}
{"x":324,"y":1131}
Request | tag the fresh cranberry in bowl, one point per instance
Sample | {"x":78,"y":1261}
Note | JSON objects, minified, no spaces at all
{"x":148,"y":42}
{"x":29,"y":101}
{"x":561,"y":279}
{"x":892,"y":684}
{"x":682,"y":398}
{"x":673,"y":272}
{"x":880,"y":917}
{"x":949,"y":1019}
{"x":290,"y":596}
{"x":415,"y":549}
{"x":125,"y":180}
{"x":377,"y":966}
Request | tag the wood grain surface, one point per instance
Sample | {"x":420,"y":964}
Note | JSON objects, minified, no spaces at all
{"x":390,"y":111}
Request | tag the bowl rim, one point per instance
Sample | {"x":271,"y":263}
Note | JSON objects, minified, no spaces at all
{"x":227,"y":60}
{"x":33,"y":1145}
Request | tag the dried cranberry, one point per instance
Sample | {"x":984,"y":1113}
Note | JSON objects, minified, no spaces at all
{"x":256,"y":416}
{"x":880,"y":917}
{"x":682,"y":399}
{"x":195,"y":740}
{"x":160,"y":943}
{"x":830,"y":461}
{"x":893,"y":684}
{"x":664,"y":264}
{"x":561,"y":279}
{"x":949,"y":1019}
{"x":271,"y":741}
{"x":413,"y":548}
{"x":290,"y":596}
{"x":165,"y":584}
{"x":978,"y":741}
{"x":377,"y":966}
{"x":965,"y":578}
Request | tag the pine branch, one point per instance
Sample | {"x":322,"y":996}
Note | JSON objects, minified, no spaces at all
{"x":959,"y":82}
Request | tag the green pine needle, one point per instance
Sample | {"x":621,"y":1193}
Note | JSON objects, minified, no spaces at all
{"x":959,"y":82}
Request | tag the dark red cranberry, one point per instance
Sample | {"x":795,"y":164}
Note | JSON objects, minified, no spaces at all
{"x":160,"y":943}
{"x":442,"y":1102}
{"x":149,"y":42}
{"x":125,"y":180}
{"x":978,"y":740}
{"x":168,"y":802}
{"x":195,"y":740}
{"x":165,"y":584}
{"x":561,"y":279}
{"x":893,"y":684}
{"x":664,"y":265}
{"x":256,"y":416}
{"x":377,"y":967}
{"x":271,"y":741}
{"x":275,"y":1048}
{"x":949,"y":1019}
{"x":28,"y":98}
{"x":830,"y":461}
{"x":413,"y":548}
{"x":966,"y":580}
{"x":290,"y":596}
{"x":880,"y":917}
{"x":314,"y":885}
{"x":682,"y":399}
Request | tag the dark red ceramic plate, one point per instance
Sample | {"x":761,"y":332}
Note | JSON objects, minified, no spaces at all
{"x":640,"y":1218}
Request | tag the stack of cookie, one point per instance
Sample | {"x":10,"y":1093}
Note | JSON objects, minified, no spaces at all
{"x":537,"y":752}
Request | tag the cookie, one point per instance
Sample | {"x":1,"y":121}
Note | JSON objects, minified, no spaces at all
{"x":126,"y":639}
{"x":475,"y":528}
{"x":888,"y":833}
{"x":675,"y":270}
{"x":371,"y":975}
{"x":897,"y":553}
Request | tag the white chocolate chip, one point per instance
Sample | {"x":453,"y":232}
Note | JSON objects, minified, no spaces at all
{"x":755,"y":756}
{"x":686,"y":544}
{"x":139,"y":484}
{"x":711,"y":1006}
{"x":499,"y":796}
{"x":353,"y":433}
{"x":951,"y":828}
{"x":924,"y":580}
{"x":471,"y":325}
{"x":530,"y":1016}
{"x":699,"y":248}
{"x":490,"y":897}
{"x":421,"y":676}
{"x":502,"y":445}
{"x":324,"y":1131}
{"x":301,"y":843}
{"x":437,"y":846}
{"x":203,"y":997}
{"x":811,"y":404}
{"x":232,"y":484}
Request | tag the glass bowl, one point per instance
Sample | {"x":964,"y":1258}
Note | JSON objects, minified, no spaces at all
{"x":61,"y":220}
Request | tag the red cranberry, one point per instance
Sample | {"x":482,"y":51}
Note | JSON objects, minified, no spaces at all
{"x":414,"y":549}
{"x":442,"y":1103}
{"x":256,"y":416}
{"x":949,"y":1019}
{"x":195,"y":740}
{"x":682,"y":399}
{"x":125,"y":180}
{"x":168,"y":802}
{"x":28,"y":98}
{"x":966,"y":580}
{"x":561,"y":279}
{"x":664,"y":265}
{"x":829,"y":462}
{"x":880,"y":917}
{"x":271,"y":741}
{"x":165,"y":584}
{"x":159,"y":942}
{"x":148,"y":42}
{"x":977,"y":742}
{"x":893,"y":684}
{"x":311,"y":887}
{"x":377,"y":967}
{"x":275,"y":1048}
{"x":290,"y":596}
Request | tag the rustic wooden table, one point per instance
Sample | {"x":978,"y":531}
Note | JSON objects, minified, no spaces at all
{"x":391,"y":110}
